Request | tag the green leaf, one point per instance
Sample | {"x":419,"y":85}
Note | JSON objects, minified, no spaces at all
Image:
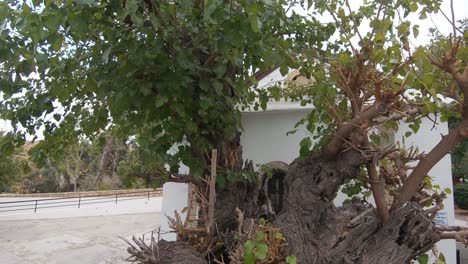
{"x":423,"y":259}
{"x":430,"y":106}
{"x":291,"y":260}
{"x":280,"y":236}
{"x":36,"y":2}
{"x":260,"y":235}
{"x":413,"y":6}
{"x":284,"y":70}
{"x":416,"y":31}
{"x":160,"y":101}
{"x":58,"y":43}
{"x":25,"y":168}
{"x":402,"y":29}
{"x":441,"y":259}
{"x":218,"y":87}
{"x":249,"y":258}
{"x":210,"y":7}
{"x":448,"y":191}
{"x":305,"y":145}
{"x":261,"y":250}
{"x":221,"y":181}
{"x":375,"y":138}
{"x":249,"y":246}
{"x":254,"y":22}
{"x":105,"y":55}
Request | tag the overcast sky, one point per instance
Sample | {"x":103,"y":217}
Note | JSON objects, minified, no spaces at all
{"x":439,"y":21}
{"x":432,"y":21}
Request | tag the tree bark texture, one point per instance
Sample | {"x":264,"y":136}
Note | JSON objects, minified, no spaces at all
{"x":319,"y":232}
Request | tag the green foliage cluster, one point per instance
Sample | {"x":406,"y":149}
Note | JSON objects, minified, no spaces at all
{"x":461,"y":195}
{"x":266,"y":247}
{"x":157,"y":72}
{"x":9,"y":165}
{"x":138,"y":69}
{"x":127,"y":166}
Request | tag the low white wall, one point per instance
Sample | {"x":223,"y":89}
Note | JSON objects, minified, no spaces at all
{"x":175,"y":199}
{"x":109,"y":207}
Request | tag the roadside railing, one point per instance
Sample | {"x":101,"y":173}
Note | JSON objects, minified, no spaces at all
{"x":34,"y":205}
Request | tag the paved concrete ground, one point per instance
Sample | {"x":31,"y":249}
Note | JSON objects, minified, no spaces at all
{"x":83,"y":240}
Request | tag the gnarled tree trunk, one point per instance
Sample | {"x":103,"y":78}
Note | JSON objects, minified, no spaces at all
{"x":319,"y":232}
{"x":316,"y":230}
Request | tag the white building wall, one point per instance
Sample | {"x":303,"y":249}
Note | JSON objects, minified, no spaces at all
{"x":426,"y":139}
{"x":264,"y":138}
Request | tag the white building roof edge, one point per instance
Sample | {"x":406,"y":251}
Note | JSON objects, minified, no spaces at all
{"x":277,"y":106}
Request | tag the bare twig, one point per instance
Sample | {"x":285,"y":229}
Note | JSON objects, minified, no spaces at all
{"x":458,"y":233}
{"x":356,"y":220}
{"x":397,"y":115}
{"x":453,"y":20}
{"x":354,"y":21}
{"x":338,"y":24}
{"x":240,"y":219}
{"x":448,"y":19}
{"x":377,"y":18}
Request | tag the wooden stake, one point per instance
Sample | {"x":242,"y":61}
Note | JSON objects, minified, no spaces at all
{"x":212,"y":197}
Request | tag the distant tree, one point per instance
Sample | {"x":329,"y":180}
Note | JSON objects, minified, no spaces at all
{"x":9,"y":166}
{"x":142,"y":168}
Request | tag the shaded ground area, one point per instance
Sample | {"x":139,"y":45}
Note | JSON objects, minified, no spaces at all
{"x":81,"y":240}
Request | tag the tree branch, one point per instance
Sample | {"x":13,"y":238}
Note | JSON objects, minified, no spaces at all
{"x":449,"y":63}
{"x":447,"y":143}
{"x":378,"y":188}
{"x":410,"y":111}
{"x":345,"y":130}
{"x":458,"y":233}
{"x":212,"y":195}
{"x":183,"y":178}
{"x":354,"y":21}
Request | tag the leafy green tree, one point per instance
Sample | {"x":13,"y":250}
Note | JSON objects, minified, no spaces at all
{"x":142,"y":168}
{"x":461,"y":195}
{"x":9,"y":166}
{"x":42,"y":180}
{"x":176,"y":74}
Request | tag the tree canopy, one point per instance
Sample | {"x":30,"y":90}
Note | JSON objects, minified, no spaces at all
{"x":145,"y":68}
